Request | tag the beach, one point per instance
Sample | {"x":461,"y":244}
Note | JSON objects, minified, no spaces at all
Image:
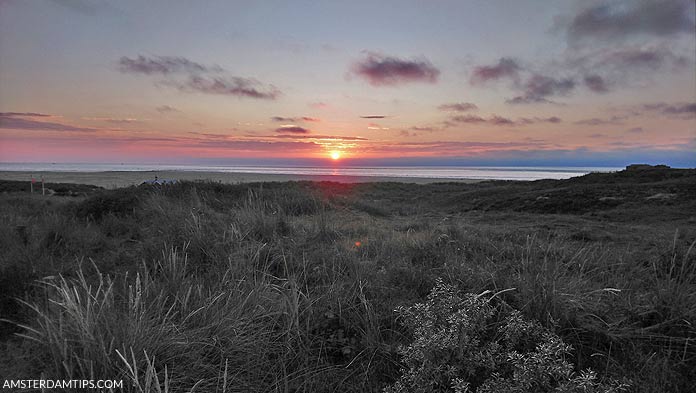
{"x":116,"y":179}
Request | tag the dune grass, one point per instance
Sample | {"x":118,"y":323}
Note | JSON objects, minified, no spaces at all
{"x":293,"y":287}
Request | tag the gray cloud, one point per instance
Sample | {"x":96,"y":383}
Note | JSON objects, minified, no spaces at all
{"x":679,"y":109}
{"x":641,"y":58}
{"x":424,"y":128}
{"x":676,"y":109}
{"x":596,"y":83}
{"x":635,"y":130}
{"x":598,"y":61}
{"x":163,"y":65}
{"x":614,"y":120}
{"x":232,"y":86}
{"x":605,"y":69}
{"x":114,"y":120}
{"x":539,"y":87}
{"x":505,"y":68}
{"x":374,"y":117}
{"x":166,"y":109}
{"x":282,"y":119}
{"x":621,"y":19}
{"x":502,"y":121}
{"x":458,"y":107}
{"x":380,"y":70}
{"x":471,"y":119}
{"x":189,"y":76}
{"x":552,"y":119}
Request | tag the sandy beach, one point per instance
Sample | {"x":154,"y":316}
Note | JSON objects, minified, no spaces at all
{"x":115,"y":179}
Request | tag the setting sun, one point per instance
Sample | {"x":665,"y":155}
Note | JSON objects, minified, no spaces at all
{"x":335,"y":155}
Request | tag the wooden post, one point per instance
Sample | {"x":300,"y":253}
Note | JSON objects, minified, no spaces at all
{"x":43,"y":189}
{"x":32,"y":184}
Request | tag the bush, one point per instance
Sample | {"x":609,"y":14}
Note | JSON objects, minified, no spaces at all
{"x":466,"y":343}
{"x":119,"y":202}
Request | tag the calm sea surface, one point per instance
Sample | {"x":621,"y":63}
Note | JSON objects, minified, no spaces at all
{"x":439,"y":172}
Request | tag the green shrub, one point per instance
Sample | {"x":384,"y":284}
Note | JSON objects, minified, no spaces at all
{"x":475,"y":343}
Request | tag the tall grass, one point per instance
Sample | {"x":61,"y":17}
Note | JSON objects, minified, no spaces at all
{"x":290,"y":287}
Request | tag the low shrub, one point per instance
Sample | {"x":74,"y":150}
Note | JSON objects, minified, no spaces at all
{"x":476,"y":343}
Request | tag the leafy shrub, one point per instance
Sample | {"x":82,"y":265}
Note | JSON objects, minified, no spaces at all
{"x":465,"y":343}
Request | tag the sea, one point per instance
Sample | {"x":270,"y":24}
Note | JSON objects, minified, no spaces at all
{"x":433,"y":172}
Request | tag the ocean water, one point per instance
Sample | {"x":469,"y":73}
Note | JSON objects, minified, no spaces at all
{"x":437,"y":172}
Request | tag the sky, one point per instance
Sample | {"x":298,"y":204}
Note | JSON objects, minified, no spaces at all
{"x":572,"y":83}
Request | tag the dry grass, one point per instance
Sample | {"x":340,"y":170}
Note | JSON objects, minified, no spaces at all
{"x":292,"y":287}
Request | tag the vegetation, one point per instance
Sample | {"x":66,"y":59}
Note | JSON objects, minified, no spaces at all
{"x":466,"y":343}
{"x":587,"y":284}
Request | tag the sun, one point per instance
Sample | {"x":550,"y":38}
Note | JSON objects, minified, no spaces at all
{"x":335,"y":155}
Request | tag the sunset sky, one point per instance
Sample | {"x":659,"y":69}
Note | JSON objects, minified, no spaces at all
{"x":367,"y":82}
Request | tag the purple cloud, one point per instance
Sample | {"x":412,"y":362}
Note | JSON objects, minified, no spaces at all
{"x":458,"y":107}
{"x":380,"y":70}
{"x":596,"y":83}
{"x":292,"y":130}
{"x":500,"y":121}
{"x":24,"y":114}
{"x":15,"y":121}
{"x":317,"y":137}
{"x":505,"y":68}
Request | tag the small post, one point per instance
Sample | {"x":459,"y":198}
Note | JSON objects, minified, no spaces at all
{"x":43,"y":189}
{"x":32,"y":183}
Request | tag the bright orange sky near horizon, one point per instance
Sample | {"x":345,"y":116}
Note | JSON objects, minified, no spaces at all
{"x":398,"y":83}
